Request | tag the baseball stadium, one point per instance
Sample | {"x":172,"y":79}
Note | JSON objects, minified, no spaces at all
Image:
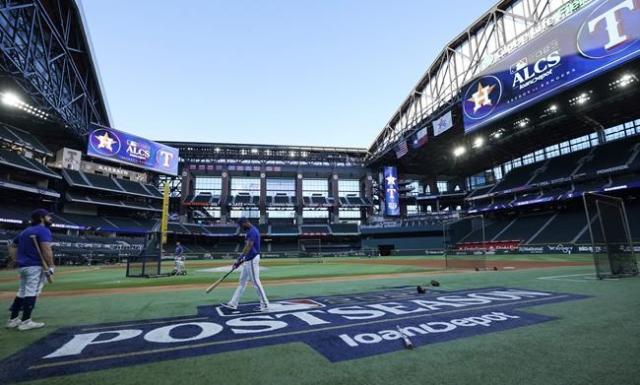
{"x":487,"y":234}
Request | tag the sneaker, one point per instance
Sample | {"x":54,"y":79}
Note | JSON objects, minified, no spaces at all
{"x":29,"y":324}
{"x":262,"y":309}
{"x":229,"y":306}
{"x":13,"y":323}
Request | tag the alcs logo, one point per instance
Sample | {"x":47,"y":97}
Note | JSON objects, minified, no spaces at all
{"x":611,"y":28}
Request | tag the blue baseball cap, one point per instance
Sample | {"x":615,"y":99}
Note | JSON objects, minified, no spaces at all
{"x":39,"y":213}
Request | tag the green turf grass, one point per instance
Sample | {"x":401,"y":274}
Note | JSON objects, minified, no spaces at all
{"x":594,"y":341}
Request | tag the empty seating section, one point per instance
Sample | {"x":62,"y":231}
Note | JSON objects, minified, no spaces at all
{"x":153,"y":190}
{"x":315,"y":229}
{"x":133,"y":187}
{"x":283,"y":247}
{"x":560,"y":168}
{"x":86,"y":220}
{"x":609,"y":156}
{"x":74,"y":178}
{"x":177,"y":228}
{"x":491,"y":230}
{"x":562,"y":229}
{"x":481,"y":191}
{"x":255,"y":200}
{"x":202,"y":199}
{"x":281,"y":200}
{"x":226,"y":247}
{"x":344,"y":228}
{"x":13,"y":159}
{"x":284,"y":230}
{"x":624,"y":179}
{"x":591,"y":185}
{"x":523,"y":228}
{"x":517,"y":177}
{"x":194,"y":228}
{"x":318,"y":200}
{"x":102,"y":182}
{"x":222,"y":230}
{"x":344,"y":201}
{"x":22,"y":138}
{"x":242,"y":199}
{"x":355,"y":201}
{"x":126,"y":223}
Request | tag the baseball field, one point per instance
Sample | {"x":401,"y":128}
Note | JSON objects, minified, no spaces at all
{"x":535,"y":320}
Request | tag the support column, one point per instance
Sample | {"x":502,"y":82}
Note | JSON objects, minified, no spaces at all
{"x":298,"y":199}
{"x":334,"y":211}
{"x":225,"y":195}
{"x":263,"y":197}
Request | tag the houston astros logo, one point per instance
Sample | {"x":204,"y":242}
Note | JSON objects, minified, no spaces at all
{"x":105,"y":142}
{"x":612,"y":27}
{"x":482,"y":97}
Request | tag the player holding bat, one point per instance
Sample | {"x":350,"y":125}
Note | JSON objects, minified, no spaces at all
{"x":32,"y":251}
{"x":251,"y":271}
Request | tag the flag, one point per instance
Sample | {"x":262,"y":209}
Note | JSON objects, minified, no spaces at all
{"x":419,"y":138}
{"x":442,"y":124}
{"x":401,"y":149}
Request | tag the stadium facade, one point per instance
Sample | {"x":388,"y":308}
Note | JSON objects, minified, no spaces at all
{"x":530,"y":107}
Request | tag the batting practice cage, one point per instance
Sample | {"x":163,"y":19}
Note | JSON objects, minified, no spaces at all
{"x":465,"y":243}
{"x":611,"y":241}
{"x":147,"y":264}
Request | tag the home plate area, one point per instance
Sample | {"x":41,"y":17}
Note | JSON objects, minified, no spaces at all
{"x":340,"y":328}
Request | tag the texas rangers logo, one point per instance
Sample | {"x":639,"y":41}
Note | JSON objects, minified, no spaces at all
{"x":612,"y":27}
{"x":482,"y":97}
{"x":104,"y":142}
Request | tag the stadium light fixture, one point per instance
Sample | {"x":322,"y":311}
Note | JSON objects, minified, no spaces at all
{"x":553,"y":108}
{"x":254,"y":150}
{"x":217,"y":149}
{"x":581,"y":99}
{"x":12,"y":100}
{"x":292,"y":154}
{"x":478,"y":142}
{"x":459,"y":151}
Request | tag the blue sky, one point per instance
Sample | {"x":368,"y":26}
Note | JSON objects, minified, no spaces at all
{"x":298,"y":72}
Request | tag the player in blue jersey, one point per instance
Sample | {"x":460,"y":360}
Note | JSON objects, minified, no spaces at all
{"x":250,"y":257}
{"x":32,"y":274}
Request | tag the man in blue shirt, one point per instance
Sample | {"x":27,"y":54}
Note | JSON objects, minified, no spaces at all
{"x":251,"y":270}
{"x":24,"y":250}
{"x":179,"y":259}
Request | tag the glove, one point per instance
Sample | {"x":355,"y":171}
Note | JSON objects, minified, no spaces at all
{"x":51,"y":270}
{"x":238,"y":262}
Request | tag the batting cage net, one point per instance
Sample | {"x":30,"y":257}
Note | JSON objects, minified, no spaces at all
{"x":611,"y":242}
{"x":149,"y":262}
{"x":465,"y":243}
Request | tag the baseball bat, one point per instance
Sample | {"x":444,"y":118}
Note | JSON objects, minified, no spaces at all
{"x":407,"y":342}
{"x":216,"y":283}
{"x":45,"y":265}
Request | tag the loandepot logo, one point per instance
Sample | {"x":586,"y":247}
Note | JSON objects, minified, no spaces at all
{"x":338,"y":327}
{"x":482,"y":97}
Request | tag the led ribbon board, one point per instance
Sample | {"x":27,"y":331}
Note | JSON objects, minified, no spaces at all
{"x":117,"y":146}
{"x":601,"y":36}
